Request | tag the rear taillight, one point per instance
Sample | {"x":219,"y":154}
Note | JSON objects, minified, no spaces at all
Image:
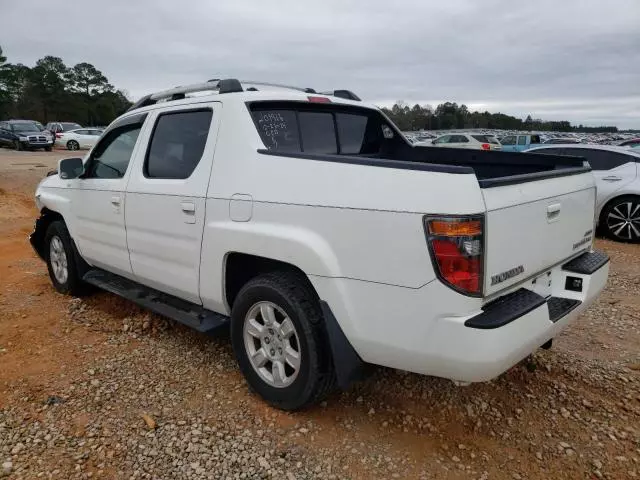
{"x":58,"y":135}
{"x":486,"y":146}
{"x":456,"y":245}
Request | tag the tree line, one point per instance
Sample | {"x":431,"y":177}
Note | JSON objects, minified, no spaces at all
{"x":52,"y":91}
{"x":450,"y":115}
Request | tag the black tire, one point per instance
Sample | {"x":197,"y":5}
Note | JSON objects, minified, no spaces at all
{"x":48,"y":149}
{"x":73,"y":285}
{"x":291,"y":292}
{"x":614,"y":218}
{"x":73,"y":145}
{"x":17,"y":145}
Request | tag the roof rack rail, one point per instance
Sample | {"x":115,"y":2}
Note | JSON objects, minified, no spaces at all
{"x":228,"y":85}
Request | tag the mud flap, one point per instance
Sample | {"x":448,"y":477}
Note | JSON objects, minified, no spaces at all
{"x":348,"y":364}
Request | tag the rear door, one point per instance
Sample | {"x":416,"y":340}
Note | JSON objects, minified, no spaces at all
{"x":535,"y":225}
{"x":613,"y":170}
{"x":165,"y":209}
{"x":521,"y":143}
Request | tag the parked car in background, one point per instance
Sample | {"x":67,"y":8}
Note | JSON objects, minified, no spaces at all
{"x":634,"y":142}
{"x":25,"y":135}
{"x":77,"y":139}
{"x":465,"y":140}
{"x":561,"y":141}
{"x":519,"y":143}
{"x":616,"y":171}
{"x":58,"y":128}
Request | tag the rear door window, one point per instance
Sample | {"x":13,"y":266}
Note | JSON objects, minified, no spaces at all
{"x":318,"y":132}
{"x":177,"y":144}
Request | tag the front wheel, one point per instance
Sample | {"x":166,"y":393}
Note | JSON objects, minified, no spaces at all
{"x":61,"y":260}
{"x":48,"y":149}
{"x":279,"y":340}
{"x":18,"y":146}
{"x":620,"y":220}
{"x":73,"y":145}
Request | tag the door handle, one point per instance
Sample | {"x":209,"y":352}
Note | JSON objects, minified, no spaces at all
{"x":612,"y":178}
{"x":115,"y":200}
{"x":189,"y":210}
{"x":553,"y":212}
{"x":188,"y":207}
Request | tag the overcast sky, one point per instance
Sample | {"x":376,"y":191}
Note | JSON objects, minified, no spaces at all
{"x":554,"y":59}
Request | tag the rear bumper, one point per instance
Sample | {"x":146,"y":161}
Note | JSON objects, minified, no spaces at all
{"x":485,"y":345}
{"x":416,"y":330}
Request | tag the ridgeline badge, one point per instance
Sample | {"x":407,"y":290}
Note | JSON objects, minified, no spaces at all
{"x":501,"y":277}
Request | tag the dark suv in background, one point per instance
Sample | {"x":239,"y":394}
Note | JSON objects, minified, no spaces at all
{"x":25,"y":134}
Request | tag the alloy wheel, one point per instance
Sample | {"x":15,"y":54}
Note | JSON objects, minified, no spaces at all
{"x":623,"y":221}
{"x":272,"y":344}
{"x":58,"y":259}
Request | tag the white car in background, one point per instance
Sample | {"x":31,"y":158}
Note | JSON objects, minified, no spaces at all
{"x":465,"y":140}
{"x":79,"y":138}
{"x":618,"y":181}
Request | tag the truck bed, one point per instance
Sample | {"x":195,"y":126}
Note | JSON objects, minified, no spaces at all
{"x":495,"y":168}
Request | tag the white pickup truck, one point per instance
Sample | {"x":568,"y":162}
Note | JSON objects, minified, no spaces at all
{"x":312,"y":227}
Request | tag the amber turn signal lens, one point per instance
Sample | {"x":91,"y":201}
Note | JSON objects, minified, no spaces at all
{"x":455,"y":228}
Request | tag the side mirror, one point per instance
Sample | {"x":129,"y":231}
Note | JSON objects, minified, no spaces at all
{"x":69,"y":168}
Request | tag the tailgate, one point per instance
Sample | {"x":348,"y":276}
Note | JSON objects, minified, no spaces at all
{"x":533,"y":226}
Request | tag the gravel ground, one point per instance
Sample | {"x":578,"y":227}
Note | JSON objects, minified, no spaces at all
{"x":97,"y":388}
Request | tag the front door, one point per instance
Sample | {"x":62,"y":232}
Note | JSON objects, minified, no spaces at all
{"x":98,"y":200}
{"x":166,"y":194}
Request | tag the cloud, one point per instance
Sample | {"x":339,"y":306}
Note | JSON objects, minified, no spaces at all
{"x":576,"y":60}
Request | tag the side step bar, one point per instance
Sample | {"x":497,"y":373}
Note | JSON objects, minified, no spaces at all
{"x":190,"y":314}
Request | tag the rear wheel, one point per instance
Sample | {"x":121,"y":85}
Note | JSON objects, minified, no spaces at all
{"x":279,"y":340}
{"x":73,"y":145}
{"x":620,"y":219}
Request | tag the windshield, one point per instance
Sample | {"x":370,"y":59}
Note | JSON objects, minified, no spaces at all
{"x":25,"y":127}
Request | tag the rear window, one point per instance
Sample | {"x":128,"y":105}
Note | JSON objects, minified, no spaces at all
{"x":320,"y":129}
{"x":486,"y":139}
{"x":318,"y":132}
{"x":70,"y":126}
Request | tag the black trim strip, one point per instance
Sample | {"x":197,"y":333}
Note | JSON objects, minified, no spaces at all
{"x":587,"y":263}
{"x":372,"y":162}
{"x":506,"y":309}
{"x":532,"y":177}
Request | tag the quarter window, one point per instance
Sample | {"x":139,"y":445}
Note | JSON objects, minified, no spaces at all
{"x":600,"y":159}
{"x":177,"y":144}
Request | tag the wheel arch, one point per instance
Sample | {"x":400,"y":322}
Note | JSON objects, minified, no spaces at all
{"x":240,"y":267}
{"x":613,"y":200}
{"x":40,"y":229}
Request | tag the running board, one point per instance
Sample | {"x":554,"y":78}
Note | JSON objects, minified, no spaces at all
{"x":188,"y":313}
